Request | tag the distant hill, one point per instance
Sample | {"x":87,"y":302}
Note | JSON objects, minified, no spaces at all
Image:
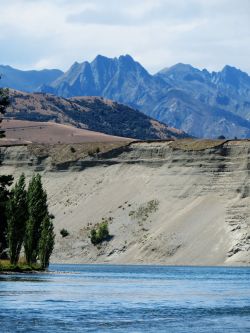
{"x":27,"y":80}
{"x":200,"y":103}
{"x":92,"y":113}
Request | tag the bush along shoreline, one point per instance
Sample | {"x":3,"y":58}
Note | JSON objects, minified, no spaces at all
{"x":26,"y":226}
{"x":7,"y":267}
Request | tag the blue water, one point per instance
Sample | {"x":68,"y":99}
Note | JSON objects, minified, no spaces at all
{"x":103,"y":298}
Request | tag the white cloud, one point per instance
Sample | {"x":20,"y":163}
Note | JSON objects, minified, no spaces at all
{"x":158,"y":33}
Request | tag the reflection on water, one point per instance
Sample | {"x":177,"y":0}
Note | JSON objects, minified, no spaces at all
{"x":22,"y":278}
{"x":107,"y":298}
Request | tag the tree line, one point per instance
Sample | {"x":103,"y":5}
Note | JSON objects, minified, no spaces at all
{"x":25,"y":221}
{"x":28,"y":223}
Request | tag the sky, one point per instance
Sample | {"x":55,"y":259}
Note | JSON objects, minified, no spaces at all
{"x":37,"y":34}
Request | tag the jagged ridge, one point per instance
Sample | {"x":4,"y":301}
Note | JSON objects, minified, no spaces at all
{"x":201,"y":103}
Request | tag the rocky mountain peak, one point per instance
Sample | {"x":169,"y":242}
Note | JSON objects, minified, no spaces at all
{"x":181,"y":72}
{"x":201,"y":103}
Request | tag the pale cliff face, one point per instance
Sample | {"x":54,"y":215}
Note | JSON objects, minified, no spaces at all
{"x":200,"y":192}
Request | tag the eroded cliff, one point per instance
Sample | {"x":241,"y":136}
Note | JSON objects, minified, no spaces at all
{"x":170,"y":202}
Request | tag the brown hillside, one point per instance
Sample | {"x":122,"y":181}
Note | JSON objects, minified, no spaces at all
{"x":92,"y":113}
{"x":22,"y":131}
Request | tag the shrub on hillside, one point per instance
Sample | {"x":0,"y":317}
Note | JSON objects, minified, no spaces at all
{"x":100,"y":234}
{"x":64,"y":232}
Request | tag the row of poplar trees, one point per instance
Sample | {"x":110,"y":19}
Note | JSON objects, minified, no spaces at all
{"x":25,"y":221}
{"x":29,"y":223}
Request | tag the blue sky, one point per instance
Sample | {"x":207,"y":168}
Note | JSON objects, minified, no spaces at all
{"x":36,"y":34}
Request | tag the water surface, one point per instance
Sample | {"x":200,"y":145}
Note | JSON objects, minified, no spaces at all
{"x":108,"y":298}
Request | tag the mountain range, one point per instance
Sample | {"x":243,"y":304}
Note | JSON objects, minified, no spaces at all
{"x":28,"y":81}
{"x":202,"y":103}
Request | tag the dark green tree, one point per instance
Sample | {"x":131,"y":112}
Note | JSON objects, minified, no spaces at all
{"x":5,"y":181}
{"x":17,"y":216}
{"x":4,"y":103}
{"x":93,"y":237}
{"x":46,"y":242}
{"x":37,"y":212}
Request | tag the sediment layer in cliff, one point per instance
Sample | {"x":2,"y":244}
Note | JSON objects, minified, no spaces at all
{"x":166,"y":202}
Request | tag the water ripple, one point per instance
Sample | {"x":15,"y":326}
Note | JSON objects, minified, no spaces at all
{"x":105,"y":298}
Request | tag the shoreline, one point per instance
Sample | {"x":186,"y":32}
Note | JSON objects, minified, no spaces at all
{"x":50,"y":271}
{"x":164,"y":204}
{"x":151,"y":264}
{"x":19,"y":268}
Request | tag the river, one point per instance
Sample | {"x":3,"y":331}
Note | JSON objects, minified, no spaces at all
{"x":114,"y":298}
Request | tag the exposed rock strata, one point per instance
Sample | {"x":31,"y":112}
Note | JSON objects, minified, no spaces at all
{"x":202,"y":189}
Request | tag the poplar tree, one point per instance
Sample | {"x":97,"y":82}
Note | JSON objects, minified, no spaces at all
{"x":17,"y":216}
{"x":37,"y":212}
{"x":47,"y":241}
{"x":5,"y":180}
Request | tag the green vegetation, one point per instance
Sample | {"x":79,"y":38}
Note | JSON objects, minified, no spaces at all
{"x":46,"y":241}
{"x":4,"y":103}
{"x":37,"y":213}
{"x":6,"y":266}
{"x":100,"y":234}
{"x":5,"y":182}
{"x":29,"y":224}
{"x":24,"y":218}
{"x":17,"y":215}
{"x":64,"y":232}
{"x":144,"y":210}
